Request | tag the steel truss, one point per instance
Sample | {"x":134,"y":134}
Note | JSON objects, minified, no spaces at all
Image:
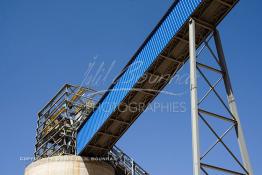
{"x":59,"y":119}
{"x":199,"y":166}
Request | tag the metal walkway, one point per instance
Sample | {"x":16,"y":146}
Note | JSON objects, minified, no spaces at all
{"x":124,"y":165}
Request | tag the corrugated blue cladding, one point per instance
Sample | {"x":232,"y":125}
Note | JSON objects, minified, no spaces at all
{"x":167,"y":30}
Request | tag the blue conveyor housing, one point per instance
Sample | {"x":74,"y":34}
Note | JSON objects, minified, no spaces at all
{"x":161,"y":55}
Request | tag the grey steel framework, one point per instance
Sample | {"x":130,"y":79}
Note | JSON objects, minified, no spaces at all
{"x":200,"y":113}
{"x":59,"y":119}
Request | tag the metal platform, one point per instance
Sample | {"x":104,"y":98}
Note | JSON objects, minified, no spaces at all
{"x":162,"y":54}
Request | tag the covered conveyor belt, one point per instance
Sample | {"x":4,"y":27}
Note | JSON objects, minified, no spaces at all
{"x":160,"y":56}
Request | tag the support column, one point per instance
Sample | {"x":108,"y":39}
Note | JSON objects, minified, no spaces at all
{"x":133,"y":167}
{"x":232,"y":103}
{"x":194,"y":100}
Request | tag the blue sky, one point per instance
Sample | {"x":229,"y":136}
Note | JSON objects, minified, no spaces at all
{"x":45,"y":44}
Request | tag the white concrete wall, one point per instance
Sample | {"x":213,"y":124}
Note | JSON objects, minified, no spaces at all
{"x":68,"y":165}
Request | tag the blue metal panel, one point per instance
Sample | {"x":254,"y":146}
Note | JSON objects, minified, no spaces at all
{"x":159,"y":40}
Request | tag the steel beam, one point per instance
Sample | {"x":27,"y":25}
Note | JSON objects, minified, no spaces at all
{"x":221,"y":169}
{"x":171,"y":59}
{"x":209,"y":68}
{"x":204,"y":24}
{"x":216,"y":115}
{"x":225,"y":3}
{"x":181,"y":39}
{"x":194,"y":100}
{"x":120,"y":121}
{"x":232,"y":104}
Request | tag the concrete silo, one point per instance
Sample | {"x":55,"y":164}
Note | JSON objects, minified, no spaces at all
{"x":68,"y":165}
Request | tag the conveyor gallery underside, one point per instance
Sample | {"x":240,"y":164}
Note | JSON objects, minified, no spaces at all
{"x":162,"y":54}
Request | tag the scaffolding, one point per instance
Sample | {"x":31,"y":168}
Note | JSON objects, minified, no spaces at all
{"x":59,"y":119}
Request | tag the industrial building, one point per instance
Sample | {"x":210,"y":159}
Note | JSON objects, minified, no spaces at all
{"x":77,"y":130}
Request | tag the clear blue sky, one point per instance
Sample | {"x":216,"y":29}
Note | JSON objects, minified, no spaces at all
{"x":45,"y":44}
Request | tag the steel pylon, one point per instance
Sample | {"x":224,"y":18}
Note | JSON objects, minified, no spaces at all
{"x":199,"y":115}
